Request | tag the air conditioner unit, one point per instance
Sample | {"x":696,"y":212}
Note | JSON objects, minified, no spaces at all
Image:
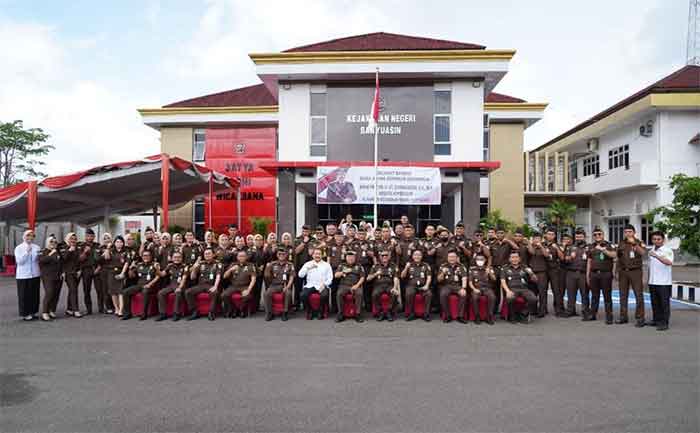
{"x":592,"y":145}
{"x":610,"y":212}
{"x":647,"y":130}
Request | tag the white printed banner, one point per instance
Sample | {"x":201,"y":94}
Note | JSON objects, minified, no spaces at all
{"x":396,"y":185}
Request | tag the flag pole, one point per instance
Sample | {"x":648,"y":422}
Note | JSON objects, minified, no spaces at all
{"x":376,"y":149}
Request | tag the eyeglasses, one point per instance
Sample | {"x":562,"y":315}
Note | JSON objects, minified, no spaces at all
{"x":597,"y":234}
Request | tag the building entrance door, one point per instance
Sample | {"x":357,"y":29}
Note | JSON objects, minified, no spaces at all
{"x":419,"y":216}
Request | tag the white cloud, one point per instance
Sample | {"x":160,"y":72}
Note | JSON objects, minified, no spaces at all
{"x":89,"y":123}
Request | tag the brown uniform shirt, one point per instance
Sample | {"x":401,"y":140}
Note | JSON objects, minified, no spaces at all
{"x":441,"y":251}
{"x":208,"y":272}
{"x":599,"y":260}
{"x":175,"y":273}
{"x":480,"y":277}
{"x":515,"y":278}
{"x":386,"y":277}
{"x":145,"y":272}
{"x":190,"y":253}
{"x":353,"y":274}
{"x":417,"y":274}
{"x":627,"y":256}
{"x":579,"y":262}
{"x":453,"y":274}
{"x":500,"y":252}
{"x":242,"y":275}
{"x":278,"y":274}
{"x":50,"y":265}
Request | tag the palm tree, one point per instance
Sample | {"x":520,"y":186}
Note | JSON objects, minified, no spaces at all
{"x":560,"y":214}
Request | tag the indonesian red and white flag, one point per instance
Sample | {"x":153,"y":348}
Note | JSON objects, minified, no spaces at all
{"x":374,"y":111}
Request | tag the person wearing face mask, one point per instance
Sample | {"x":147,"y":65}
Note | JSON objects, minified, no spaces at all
{"x":443,"y":247}
{"x":70,"y":257}
{"x":481,"y":278}
{"x":452,"y":278}
{"x":417,"y":276}
{"x":576,"y":256}
{"x":599,"y":274}
{"x":630,"y":253}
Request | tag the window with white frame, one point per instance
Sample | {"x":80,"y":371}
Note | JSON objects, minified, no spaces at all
{"x":619,"y":157}
{"x":591,"y":166}
{"x":199,"y":145}
{"x":441,"y":121}
{"x":318,"y":124}
{"x":573,"y":171}
{"x":487,"y":133}
{"x":616,"y":229}
{"x":647,"y":229}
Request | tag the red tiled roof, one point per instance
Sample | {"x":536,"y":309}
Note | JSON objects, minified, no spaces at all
{"x":381,"y":41}
{"x":685,"y":79}
{"x":499,"y":97}
{"x":245,"y":96}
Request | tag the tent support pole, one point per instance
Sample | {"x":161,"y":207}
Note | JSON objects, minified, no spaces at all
{"x":155,"y":217}
{"x":238,"y":208}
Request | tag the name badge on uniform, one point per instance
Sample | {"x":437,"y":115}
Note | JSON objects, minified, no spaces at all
{"x":193,"y":256}
{"x":631,"y":254}
{"x":364,"y":253}
{"x":456,"y":277}
{"x":583,"y":256}
{"x":422,"y":274}
{"x":211,"y":276}
{"x":284,"y":277}
{"x":148,"y":277}
{"x":179,"y":279}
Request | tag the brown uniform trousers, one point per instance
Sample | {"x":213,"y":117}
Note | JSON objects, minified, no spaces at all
{"x":52,"y":291}
{"x":72,"y":282}
{"x":357,"y":296}
{"x":267,"y":297}
{"x":491,"y":298}
{"x":377,"y":293}
{"x":411,"y":291}
{"x":163,"y":298}
{"x":445,"y":291}
{"x":88,"y":276}
{"x":631,"y":277}
{"x":576,"y":282}
{"x":192,"y":292}
{"x":131,"y":291}
{"x":601,"y":280}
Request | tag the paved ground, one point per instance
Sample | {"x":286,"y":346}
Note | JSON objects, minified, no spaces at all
{"x":100,"y":374}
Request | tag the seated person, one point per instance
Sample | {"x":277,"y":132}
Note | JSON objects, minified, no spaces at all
{"x":175,"y":274}
{"x":146,"y":276}
{"x":279,"y":277}
{"x":386,"y":280}
{"x":480,"y":279}
{"x":417,"y":276}
{"x":319,"y":277}
{"x":514,"y":282}
{"x":452,"y":278}
{"x":206,"y":278}
{"x":351,"y":277}
{"x":243,"y":276}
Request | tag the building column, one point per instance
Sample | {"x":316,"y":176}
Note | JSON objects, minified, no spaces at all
{"x":527,"y":171}
{"x":537,"y":171}
{"x":286,"y":201}
{"x":566,"y":172}
{"x":546,"y":172}
{"x":556,"y":172}
{"x":471,"y":182}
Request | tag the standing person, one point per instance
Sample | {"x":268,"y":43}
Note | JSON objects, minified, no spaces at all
{"x":70,"y":256}
{"x":351,"y":277}
{"x":206,"y":278}
{"x":27,"y":275}
{"x":243,"y":277}
{"x":232,"y":231}
{"x":147,"y":275}
{"x":50,"y":270}
{"x":629,"y":258}
{"x":566,"y":241}
{"x":539,"y":257}
{"x":301,"y":256}
{"x":116,"y":259}
{"x":346,"y":223}
{"x":386,"y":280}
{"x":660,"y":281}
{"x":452,"y":277}
{"x":164,"y":250}
{"x":279,"y":277}
{"x":481,"y":277}
{"x":554,"y":271}
{"x":418,"y":276}
{"x":89,"y":272}
{"x":175,"y":275}
{"x":319,"y":277}
{"x":576,"y":257}
{"x":191,"y":249}
{"x":500,"y":254}
{"x":102,"y":276}
{"x":599,"y":274}
{"x":514,"y":282}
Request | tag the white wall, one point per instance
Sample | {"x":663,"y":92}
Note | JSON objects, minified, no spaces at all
{"x":675,"y":129}
{"x":467,"y":133}
{"x":294,"y":123}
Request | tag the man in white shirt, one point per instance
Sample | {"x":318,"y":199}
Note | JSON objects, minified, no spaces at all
{"x":27,"y":275}
{"x":319,"y":277}
{"x":660,"y":281}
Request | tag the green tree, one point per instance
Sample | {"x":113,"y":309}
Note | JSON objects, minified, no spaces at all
{"x":560,"y":214}
{"x":681,"y":219}
{"x":495,"y":219}
{"x":20,"y":152}
{"x":260,"y":225}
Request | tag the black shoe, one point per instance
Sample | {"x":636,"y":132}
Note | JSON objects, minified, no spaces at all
{"x":585,"y":318}
{"x":243,"y":314}
{"x":447,"y":319}
{"x":609,"y":321}
{"x":652,"y":323}
{"x":662,"y":327}
{"x":411,"y":317}
{"x":233,"y":314}
{"x":477,"y":320}
{"x":176,"y":317}
{"x":541,"y":315}
{"x":427,"y":317}
{"x":339,"y":318}
{"x":490,"y":322}
{"x":389,"y":317}
{"x":359,"y":319}
{"x":285,"y":317}
{"x":88,"y":312}
{"x":211,"y":316}
{"x":143,"y":317}
{"x":268,"y":317}
{"x":380,"y":318}
{"x":126,"y":317}
{"x":621,"y":321}
{"x":572,"y":314}
{"x":461,"y":320}
{"x":161,"y":318}
{"x":194,"y":316}
{"x":639,"y":324}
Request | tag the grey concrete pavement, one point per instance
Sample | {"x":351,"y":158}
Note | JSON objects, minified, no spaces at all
{"x":102,"y":374}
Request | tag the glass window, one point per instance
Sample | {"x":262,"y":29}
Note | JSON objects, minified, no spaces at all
{"x":616,"y":227}
{"x":318,"y":130}
{"x":646,"y":230}
{"x":198,"y":145}
{"x":199,"y":220}
{"x":318,"y":150}
{"x":619,"y":157}
{"x":442,"y":129}
{"x":442,"y":149}
{"x":483,"y":207}
{"x":591,"y":166}
{"x":443,"y":102}
{"x":318,"y":104}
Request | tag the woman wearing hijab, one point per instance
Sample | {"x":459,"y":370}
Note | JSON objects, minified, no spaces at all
{"x":50,"y":270}
{"x":27,"y":275}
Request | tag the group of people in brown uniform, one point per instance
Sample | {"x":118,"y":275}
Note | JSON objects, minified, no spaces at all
{"x":497,"y":265}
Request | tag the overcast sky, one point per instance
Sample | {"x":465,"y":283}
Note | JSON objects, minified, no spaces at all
{"x":80,"y":69}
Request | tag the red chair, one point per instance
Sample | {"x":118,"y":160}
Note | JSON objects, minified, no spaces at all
{"x":237,"y":301}
{"x":10,"y":266}
{"x":349,"y":310}
{"x":385,"y":302}
{"x":137,"y":305}
{"x":170,"y":305}
{"x":520,"y":304}
{"x":277,"y":303}
{"x":418,"y":306}
{"x":315,"y":305}
{"x":484,"y":314}
{"x":453,"y":305}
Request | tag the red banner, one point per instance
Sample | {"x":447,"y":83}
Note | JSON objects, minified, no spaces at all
{"x":239,"y":152}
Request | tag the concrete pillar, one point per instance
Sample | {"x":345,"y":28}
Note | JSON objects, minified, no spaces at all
{"x":286,"y":206}
{"x":527,"y":171}
{"x":471,"y":181}
{"x":546,"y":171}
{"x":537,"y":171}
{"x":567,"y":186}
{"x":556,"y":172}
